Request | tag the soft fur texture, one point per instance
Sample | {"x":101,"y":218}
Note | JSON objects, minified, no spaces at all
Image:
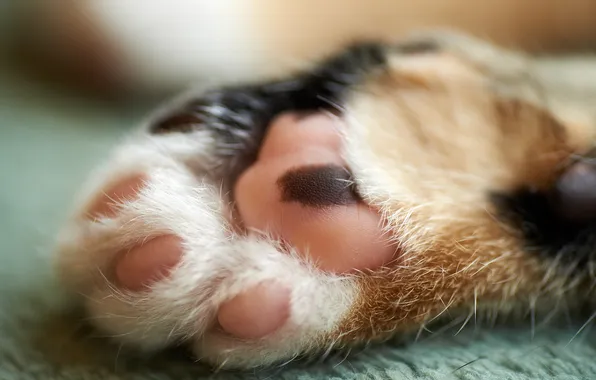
{"x":445,"y":133}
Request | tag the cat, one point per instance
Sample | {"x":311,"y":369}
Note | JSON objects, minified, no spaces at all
{"x":386,"y":187}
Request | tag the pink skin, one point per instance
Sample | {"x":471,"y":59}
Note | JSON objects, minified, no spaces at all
{"x":106,"y":204}
{"x":148,"y":262}
{"x":341,"y":238}
{"x":338,"y":239}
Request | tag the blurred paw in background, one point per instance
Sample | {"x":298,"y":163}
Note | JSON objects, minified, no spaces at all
{"x":138,"y":46}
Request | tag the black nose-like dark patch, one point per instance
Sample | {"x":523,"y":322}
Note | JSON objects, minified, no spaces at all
{"x":318,"y":186}
{"x":558,"y":223}
{"x":574,"y":194}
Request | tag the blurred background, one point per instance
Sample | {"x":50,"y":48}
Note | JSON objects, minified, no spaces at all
{"x":76,"y":75}
{"x":142,"y":46}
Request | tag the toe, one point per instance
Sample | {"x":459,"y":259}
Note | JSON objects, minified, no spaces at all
{"x":257,"y":312}
{"x":106,"y":205}
{"x":149,"y":262}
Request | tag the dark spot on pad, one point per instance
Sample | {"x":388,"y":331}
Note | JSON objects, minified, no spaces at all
{"x":318,"y":186}
{"x":182,"y":122}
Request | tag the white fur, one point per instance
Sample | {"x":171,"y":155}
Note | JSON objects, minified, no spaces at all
{"x":217,"y":265}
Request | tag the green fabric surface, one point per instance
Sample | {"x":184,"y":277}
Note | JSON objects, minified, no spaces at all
{"x":48,"y":142}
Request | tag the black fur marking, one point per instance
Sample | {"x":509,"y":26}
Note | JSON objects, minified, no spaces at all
{"x":559,"y":223}
{"x":318,"y":186}
{"x":239,"y":116}
{"x":544,"y":231}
